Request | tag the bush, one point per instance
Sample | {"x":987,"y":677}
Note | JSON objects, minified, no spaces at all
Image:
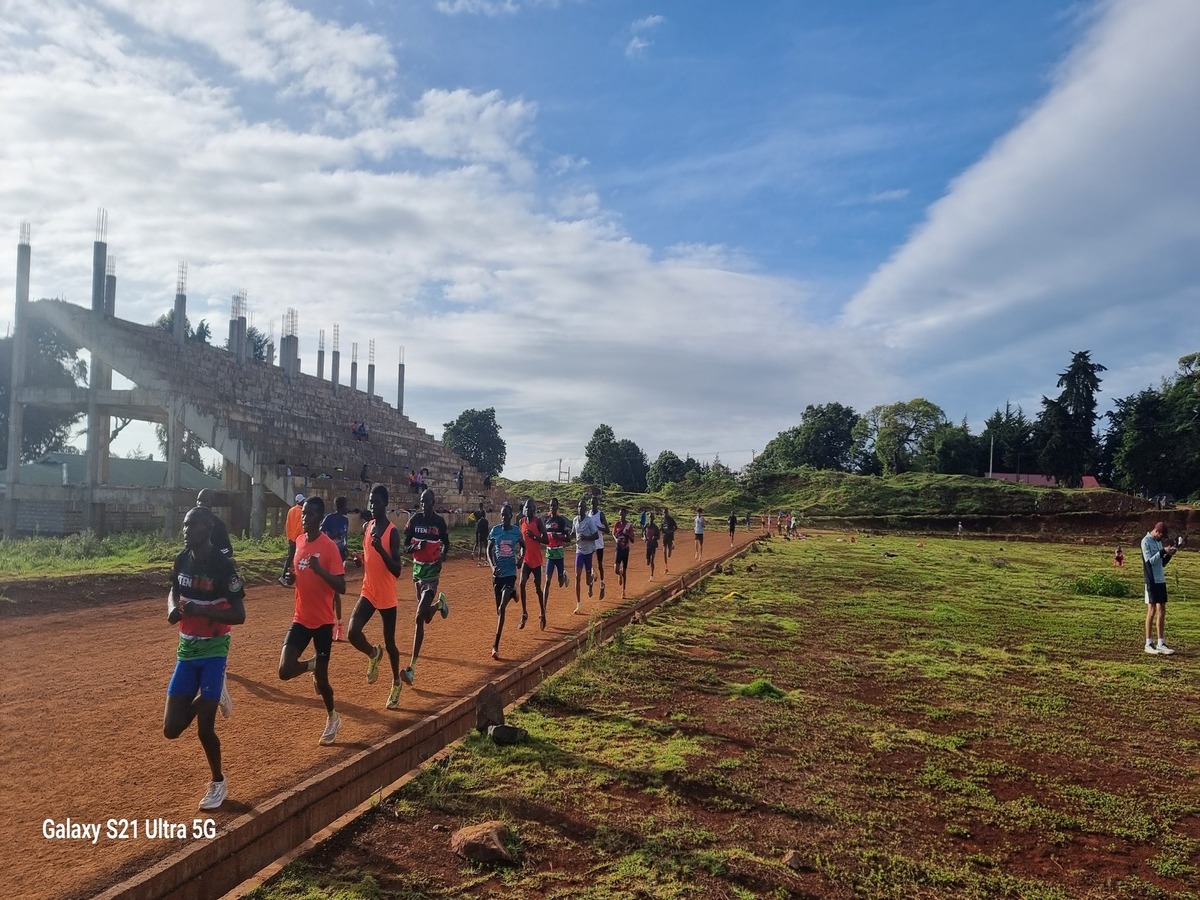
{"x":1102,"y":584}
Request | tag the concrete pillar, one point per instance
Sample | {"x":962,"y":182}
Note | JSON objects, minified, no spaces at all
{"x":334,"y":363}
{"x":320,"y":365}
{"x":97,"y":429}
{"x":179,"y":332}
{"x":16,"y":411}
{"x":400,"y":390}
{"x":354,"y":374}
{"x":243,"y":349}
{"x":258,"y":509}
{"x":171,"y":517}
{"x":233,"y":337}
{"x":370,"y":379}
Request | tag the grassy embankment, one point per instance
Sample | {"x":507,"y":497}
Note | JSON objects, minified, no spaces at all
{"x":946,"y":720}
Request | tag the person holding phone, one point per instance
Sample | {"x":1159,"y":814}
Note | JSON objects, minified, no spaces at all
{"x":1154,"y":557}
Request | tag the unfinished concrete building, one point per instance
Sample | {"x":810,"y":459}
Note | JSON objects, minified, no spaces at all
{"x":278,"y":430}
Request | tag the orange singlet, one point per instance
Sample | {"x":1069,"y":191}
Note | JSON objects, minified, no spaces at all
{"x":378,"y":584}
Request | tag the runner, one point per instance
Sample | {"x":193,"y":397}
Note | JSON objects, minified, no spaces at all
{"x":732,"y":526}
{"x":382,"y":565}
{"x":533,"y":536}
{"x":337,"y":526}
{"x":601,"y":529}
{"x":220,"y":534}
{"x":623,"y":535}
{"x":504,"y":548}
{"x":317,"y":585}
{"x":558,"y":532}
{"x":651,"y":535}
{"x":481,"y":536}
{"x":698,"y":528}
{"x":205,"y":600}
{"x":293,"y":528}
{"x":586,"y":533}
{"x":668,"y":537}
{"x":427,"y":538}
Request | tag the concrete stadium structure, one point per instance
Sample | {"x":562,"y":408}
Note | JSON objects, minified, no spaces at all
{"x":278,"y":430}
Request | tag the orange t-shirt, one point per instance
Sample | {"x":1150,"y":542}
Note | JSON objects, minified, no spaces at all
{"x":314,"y":596}
{"x":534,"y":556}
{"x":378,"y":584}
{"x":294,"y":526}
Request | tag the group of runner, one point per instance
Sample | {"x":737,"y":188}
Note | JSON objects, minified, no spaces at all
{"x":207,"y":597}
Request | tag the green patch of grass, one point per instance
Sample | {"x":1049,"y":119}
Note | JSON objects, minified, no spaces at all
{"x":761,"y":688}
{"x":1102,"y":584}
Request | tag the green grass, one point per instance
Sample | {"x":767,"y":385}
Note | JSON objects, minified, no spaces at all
{"x":927,"y":723}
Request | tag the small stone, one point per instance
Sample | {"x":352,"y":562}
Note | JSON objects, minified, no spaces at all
{"x":719,"y":569}
{"x":483,"y":843}
{"x":638,"y":618}
{"x":796,"y":862}
{"x":507,"y":734}
{"x":440,"y":827}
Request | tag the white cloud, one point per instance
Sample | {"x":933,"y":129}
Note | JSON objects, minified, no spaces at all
{"x":639,"y":41}
{"x":426,"y":229}
{"x":1077,"y":230}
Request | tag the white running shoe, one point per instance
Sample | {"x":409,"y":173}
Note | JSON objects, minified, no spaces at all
{"x":225,"y":704}
{"x":1163,"y":649}
{"x":1150,"y":648}
{"x":215,"y":795}
{"x":329,"y":735}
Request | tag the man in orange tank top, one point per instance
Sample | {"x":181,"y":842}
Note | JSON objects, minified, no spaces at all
{"x":533,"y":533}
{"x":382,"y":565}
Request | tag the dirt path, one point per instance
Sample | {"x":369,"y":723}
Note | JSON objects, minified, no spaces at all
{"x":81,"y":702}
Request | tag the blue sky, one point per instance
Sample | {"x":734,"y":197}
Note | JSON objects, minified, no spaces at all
{"x":687,"y":220}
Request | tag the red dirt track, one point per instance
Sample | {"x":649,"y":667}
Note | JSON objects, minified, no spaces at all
{"x":84,"y":682}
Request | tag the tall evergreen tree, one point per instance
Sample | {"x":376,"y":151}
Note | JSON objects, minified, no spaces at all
{"x":1067,"y":425}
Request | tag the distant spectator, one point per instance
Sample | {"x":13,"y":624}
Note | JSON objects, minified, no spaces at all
{"x":412,"y":481}
{"x":1119,"y":558}
{"x":361,"y":432}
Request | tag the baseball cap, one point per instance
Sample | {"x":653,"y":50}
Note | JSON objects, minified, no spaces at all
{"x":299,"y":498}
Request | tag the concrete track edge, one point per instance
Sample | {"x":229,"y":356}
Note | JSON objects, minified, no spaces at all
{"x":279,"y":825}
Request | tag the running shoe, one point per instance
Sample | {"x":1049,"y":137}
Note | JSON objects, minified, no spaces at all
{"x":407,"y":675}
{"x":524,"y":619}
{"x":1163,"y":649}
{"x":329,"y":735}
{"x":495,"y":653}
{"x":373,"y":665}
{"x":225,"y":704}
{"x":394,"y":697}
{"x":215,"y":795}
{"x":543,"y":621}
{"x":1150,"y":648}
{"x":577,"y":607}
{"x":602,"y":590}
{"x":337,"y":632}
{"x":565,"y":581}
{"x":443,"y":606}
{"x":589,"y":587}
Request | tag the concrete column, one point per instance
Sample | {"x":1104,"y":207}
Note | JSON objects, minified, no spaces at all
{"x":400,"y":390}
{"x":16,"y":411}
{"x":179,"y":332}
{"x":320,"y":365}
{"x":171,"y":519}
{"x":354,"y":374}
{"x":334,"y":362}
{"x":97,"y":432}
{"x":243,"y":348}
{"x":370,"y":379}
{"x":258,"y":509}
{"x":233,"y":337}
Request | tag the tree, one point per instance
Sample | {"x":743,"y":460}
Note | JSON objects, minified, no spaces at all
{"x":667,"y":469}
{"x":1066,"y":427}
{"x":898,"y":432}
{"x":475,"y":436}
{"x":955,"y":451}
{"x":824,"y":439}
{"x":51,"y":362}
{"x":1009,"y":440}
{"x":201,"y":333}
{"x":636,"y":466}
{"x":605,"y":463}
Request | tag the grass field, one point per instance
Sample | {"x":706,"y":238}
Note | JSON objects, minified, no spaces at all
{"x":945,"y":720}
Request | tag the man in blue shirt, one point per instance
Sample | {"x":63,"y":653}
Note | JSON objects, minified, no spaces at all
{"x":1154,"y":557}
{"x":505,"y":547}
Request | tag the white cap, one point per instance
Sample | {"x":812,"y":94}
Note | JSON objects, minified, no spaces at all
{"x":299,"y":498}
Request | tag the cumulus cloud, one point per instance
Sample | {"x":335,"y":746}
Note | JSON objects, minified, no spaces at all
{"x":1077,"y":230}
{"x":425,"y":227}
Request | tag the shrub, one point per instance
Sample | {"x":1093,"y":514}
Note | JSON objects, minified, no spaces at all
{"x":1102,"y":584}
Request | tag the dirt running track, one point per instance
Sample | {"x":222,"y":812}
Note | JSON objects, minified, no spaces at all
{"x":83,"y":684}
